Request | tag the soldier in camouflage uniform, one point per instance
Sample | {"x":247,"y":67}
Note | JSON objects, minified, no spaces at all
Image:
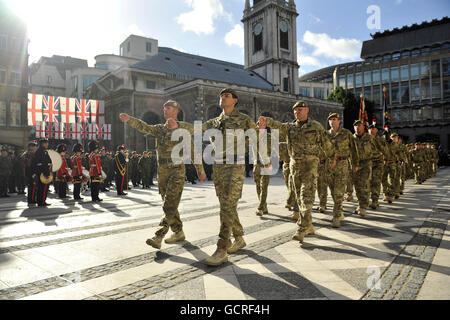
{"x":322,"y":182}
{"x":5,"y":171}
{"x":144,"y":165}
{"x":377,"y":166}
{"x":365,"y":145}
{"x":229,"y":177}
{"x":291,"y":202}
{"x":435,"y":157}
{"x":349,"y":187}
{"x":400,"y":160}
{"x":305,"y":138}
{"x":262,"y":181}
{"x":171,"y":175}
{"x":417,"y":160}
{"x":345,"y":150}
{"x":403,"y":164}
{"x":390,"y":168}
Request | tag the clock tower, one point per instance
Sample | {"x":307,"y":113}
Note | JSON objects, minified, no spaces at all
{"x":270,"y":47}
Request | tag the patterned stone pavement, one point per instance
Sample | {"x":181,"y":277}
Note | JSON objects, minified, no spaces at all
{"x":85,"y":251}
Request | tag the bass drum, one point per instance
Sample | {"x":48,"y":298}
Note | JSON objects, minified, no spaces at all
{"x":56,"y":160}
{"x":86,"y":176}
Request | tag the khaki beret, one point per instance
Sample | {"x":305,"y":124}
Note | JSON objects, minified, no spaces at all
{"x":300,"y":104}
{"x":393,"y":135}
{"x":229,"y":90}
{"x":172,"y":103}
{"x":357,"y":122}
{"x":333,"y":115}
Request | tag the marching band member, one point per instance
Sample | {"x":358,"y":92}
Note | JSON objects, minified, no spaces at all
{"x":41,"y":164}
{"x":77,"y":171}
{"x":28,"y":159}
{"x":62,"y":176}
{"x":120,"y":167}
{"x":95,"y":171}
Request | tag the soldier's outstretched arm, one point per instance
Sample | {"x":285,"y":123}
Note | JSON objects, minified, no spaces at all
{"x":139,"y":124}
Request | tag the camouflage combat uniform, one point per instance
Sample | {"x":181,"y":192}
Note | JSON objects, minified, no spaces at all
{"x":390,"y":170}
{"x":346,"y":151}
{"x":378,"y":157}
{"x":322,"y":181}
{"x":305,"y":142}
{"x":171,"y":176}
{"x":291,"y":202}
{"x":262,"y":181}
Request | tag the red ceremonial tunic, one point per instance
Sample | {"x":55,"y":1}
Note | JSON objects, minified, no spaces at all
{"x":77,"y":169}
{"x":63,"y":172}
{"x":95,"y":165}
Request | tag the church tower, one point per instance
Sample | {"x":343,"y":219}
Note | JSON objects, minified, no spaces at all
{"x":271,"y":42}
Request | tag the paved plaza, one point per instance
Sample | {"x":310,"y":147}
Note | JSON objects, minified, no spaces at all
{"x":97,"y":251}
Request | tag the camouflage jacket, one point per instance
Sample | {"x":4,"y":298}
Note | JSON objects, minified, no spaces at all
{"x":365,"y":145}
{"x":393,"y":152}
{"x":344,"y":145}
{"x":303,"y":139}
{"x":284,"y":154}
{"x":417,"y":156}
{"x":163,"y":135}
{"x":5,"y":166}
{"x":380,"y":150}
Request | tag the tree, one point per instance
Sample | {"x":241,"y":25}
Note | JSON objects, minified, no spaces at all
{"x":351,"y":105}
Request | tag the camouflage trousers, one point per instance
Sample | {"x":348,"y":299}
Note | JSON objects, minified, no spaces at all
{"x":305,"y":174}
{"x":361,"y":181}
{"x":262,"y":185}
{"x":389,"y":173}
{"x":337,"y":181}
{"x":322,"y":183}
{"x":229,"y":181}
{"x":349,"y":185}
{"x":402,"y":176}
{"x":289,"y":185}
{"x":375,"y":182}
{"x":171,"y":183}
{"x":417,"y":172}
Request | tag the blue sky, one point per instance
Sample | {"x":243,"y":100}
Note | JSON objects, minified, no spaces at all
{"x":328,"y":31}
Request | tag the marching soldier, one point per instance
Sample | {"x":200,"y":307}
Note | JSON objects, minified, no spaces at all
{"x":31,"y":183}
{"x":120,"y":168}
{"x":349,"y":187}
{"x":377,"y":166}
{"x":144,"y":168}
{"x":5,"y":170}
{"x":291,"y":202}
{"x":345,"y":151}
{"x":153,"y":167}
{"x":435,"y":156}
{"x":95,"y":171}
{"x":171,"y":175}
{"x":390,"y":168}
{"x":403,"y":164}
{"x":305,"y":139}
{"x":105,"y":167}
{"x":361,"y":174}
{"x":134,"y":170}
{"x":400,"y":159}
{"x":77,"y":170}
{"x":62,"y":176}
{"x":322,"y":182}
{"x":262,"y":180}
{"x":41,"y":169}
{"x":417,"y":160}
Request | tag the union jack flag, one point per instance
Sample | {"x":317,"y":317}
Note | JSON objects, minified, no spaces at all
{"x":50,"y":109}
{"x":34,"y":109}
{"x":40,"y":130}
{"x":93,"y":131}
{"x":82,"y":110}
{"x":84,"y":129}
{"x":75,"y":131}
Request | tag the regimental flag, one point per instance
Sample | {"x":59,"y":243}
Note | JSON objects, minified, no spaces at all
{"x":40,"y":129}
{"x":75,"y":131}
{"x":82,"y":111}
{"x":34,"y":109}
{"x":363,"y":113}
{"x":50,"y":109}
{"x":386,"y":116}
{"x":67,"y":110}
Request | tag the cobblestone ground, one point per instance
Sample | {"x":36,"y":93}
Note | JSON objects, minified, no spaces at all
{"x":89,"y":251}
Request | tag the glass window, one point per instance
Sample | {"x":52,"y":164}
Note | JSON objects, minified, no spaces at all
{"x":415,"y":53}
{"x":376,"y":77}
{"x":2,"y":113}
{"x":386,"y":57}
{"x":14,"y":114}
{"x":394,"y":74}
{"x":368,"y":94}
{"x":445,"y":47}
{"x":358,"y":80}
{"x":436,"y":50}
{"x":14,"y":78}
{"x":148,"y":47}
{"x":396,"y":56}
{"x":425,"y":51}
{"x":377,"y":59}
{"x":395,"y":91}
{"x":3,"y":76}
{"x":75,"y":83}
{"x":415,"y":91}
{"x":415,"y":71}
{"x":424,"y":70}
{"x":151,"y":84}
{"x":405,"y":92}
{"x":435,"y":69}
{"x":406,"y":54}
{"x":257,"y":38}
{"x":437,"y":113}
{"x":284,"y":35}
{"x":350,"y":81}
{"x":446,"y":67}
{"x":427,"y":113}
{"x":304,"y":91}
{"x":3,"y":42}
{"x":405,"y":115}
{"x":87,"y":81}
{"x":425,"y":89}
{"x":341,"y":81}
{"x":404,"y":73}
{"x":436,"y":89}
{"x":447,"y":88}
{"x":319,"y":93}
{"x":376,"y":95}
{"x":367,"y":78}
{"x":417,"y":114}
{"x":385,"y":75}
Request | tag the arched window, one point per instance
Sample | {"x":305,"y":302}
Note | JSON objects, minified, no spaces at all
{"x":284,"y":35}
{"x":257,"y":38}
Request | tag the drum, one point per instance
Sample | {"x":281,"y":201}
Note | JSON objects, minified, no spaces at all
{"x":104,"y":176}
{"x":45,"y":180}
{"x":56,"y":160}
{"x":86,"y":176}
